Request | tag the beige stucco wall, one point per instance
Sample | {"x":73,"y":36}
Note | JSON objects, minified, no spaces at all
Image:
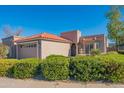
{"x":74,"y":36}
{"x":56,"y":48}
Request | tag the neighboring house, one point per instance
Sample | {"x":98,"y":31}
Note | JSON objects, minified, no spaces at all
{"x":84,"y":44}
{"x":69,"y":43}
{"x":12,"y":47}
{"x":87,"y":43}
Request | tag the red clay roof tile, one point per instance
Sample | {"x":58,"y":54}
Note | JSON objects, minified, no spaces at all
{"x":43,"y":36}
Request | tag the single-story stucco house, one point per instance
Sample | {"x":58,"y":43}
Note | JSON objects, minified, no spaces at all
{"x":69,"y":43}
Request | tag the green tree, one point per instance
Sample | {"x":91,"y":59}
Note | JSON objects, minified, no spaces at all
{"x":3,"y":51}
{"x":115,"y":25}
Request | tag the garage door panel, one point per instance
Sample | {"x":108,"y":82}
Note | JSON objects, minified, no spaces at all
{"x":28,"y":52}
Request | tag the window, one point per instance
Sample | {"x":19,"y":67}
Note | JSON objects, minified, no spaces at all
{"x":28,"y":46}
{"x":97,"y":45}
{"x":88,"y":48}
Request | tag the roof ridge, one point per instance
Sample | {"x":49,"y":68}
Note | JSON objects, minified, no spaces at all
{"x":45,"y":36}
{"x":55,"y":35}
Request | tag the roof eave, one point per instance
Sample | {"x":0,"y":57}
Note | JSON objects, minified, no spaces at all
{"x":63,"y":41}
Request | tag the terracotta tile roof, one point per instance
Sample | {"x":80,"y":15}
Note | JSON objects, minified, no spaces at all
{"x":43,"y":36}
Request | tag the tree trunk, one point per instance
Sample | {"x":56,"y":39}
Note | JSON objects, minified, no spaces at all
{"x":116,"y":46}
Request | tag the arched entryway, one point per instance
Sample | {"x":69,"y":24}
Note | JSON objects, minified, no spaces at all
{"x":73,"y":49}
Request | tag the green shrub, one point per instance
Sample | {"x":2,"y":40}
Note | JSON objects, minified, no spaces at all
{"x":114,"y":67}
{"x":55,"y":56}
{"x":114,"y":72}
{"x":112,"y":52}
{"x":55,"y":68}
{"x":86,"y":68}
{"x":6,"y":65}
{"x":31,"y":60}
{"x":108,"y":67}
{"x":24,"y":70}
{"x":3,"y":51}
{"x":95,"y":52}
{"x":112,"y":57}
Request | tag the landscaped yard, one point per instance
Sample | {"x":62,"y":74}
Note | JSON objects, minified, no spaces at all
{"x":99,"y":71}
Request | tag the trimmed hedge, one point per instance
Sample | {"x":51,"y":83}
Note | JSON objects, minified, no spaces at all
{"x":35,"y":60}
{"x":6,"y":65}
{"x":108,"y":67}
{"x":86,"y":68}
{"x":114,"y":67}
{"x":55,"y":68}
{"x":26,"y":68}
{"x":56,"y":56}
{"x":114,"y":72}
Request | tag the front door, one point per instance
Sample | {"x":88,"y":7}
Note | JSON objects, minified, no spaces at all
{"x":73,"y":50}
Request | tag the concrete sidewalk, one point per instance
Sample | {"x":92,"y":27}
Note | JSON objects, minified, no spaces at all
{"x":33,"y":83}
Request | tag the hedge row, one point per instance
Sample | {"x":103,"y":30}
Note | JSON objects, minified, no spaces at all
{"x":86,"y":68}
{"x":25,"y":68}
{"x":55,"y":68}
{"x":108,"y":67}
{"x":105,"y":68}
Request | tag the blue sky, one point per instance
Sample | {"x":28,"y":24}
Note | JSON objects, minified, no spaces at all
{"x":54,"y":19}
